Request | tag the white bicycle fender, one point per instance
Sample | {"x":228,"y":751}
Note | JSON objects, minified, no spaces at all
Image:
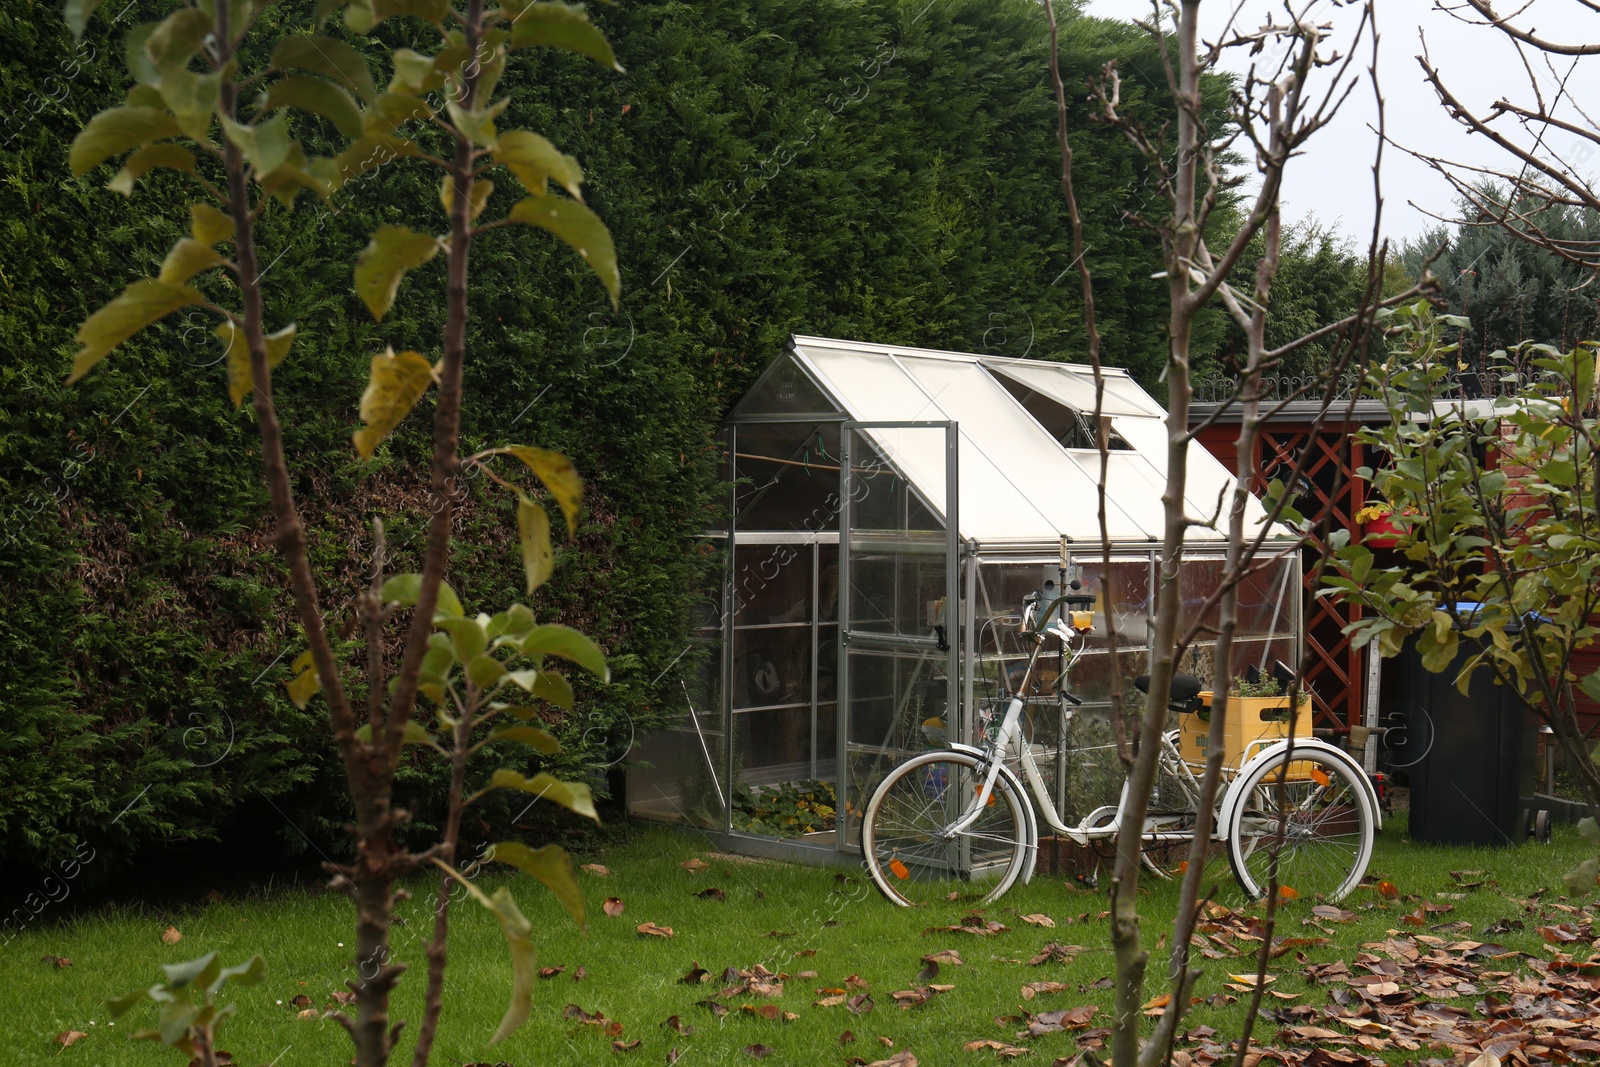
{"x":1235,"y":794}
{"x":1031,"y":846}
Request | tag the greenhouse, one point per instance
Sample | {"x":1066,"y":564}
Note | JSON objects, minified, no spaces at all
{"x":889,"y":509}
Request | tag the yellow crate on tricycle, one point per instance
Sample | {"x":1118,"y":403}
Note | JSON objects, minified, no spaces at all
{"x":1253,"y":723}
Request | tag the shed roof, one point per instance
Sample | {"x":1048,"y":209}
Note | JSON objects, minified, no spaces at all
{"x":1021,"y":480}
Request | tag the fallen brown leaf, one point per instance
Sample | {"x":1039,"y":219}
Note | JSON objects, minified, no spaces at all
{"x":1000,"y":1048}
{"x":1312,"y":1033}
{"x":903,"y":1058}
{"x":1039,"y":920}
{"x":614,"y":906}
{"x":695,"y":865}
{"x":598,"y":868}
{"x":1033,"y":989}
{"x":760,"y":1052}
{"x":170,"y":936}
{"x":652,"y":930}
{"x":68,"y":1038}
{"x":1055,"y":952}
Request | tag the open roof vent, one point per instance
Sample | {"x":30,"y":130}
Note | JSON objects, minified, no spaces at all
{"x":1070,"y":427}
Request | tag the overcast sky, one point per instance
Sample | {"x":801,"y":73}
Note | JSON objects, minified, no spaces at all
{"x":1333,"y":180}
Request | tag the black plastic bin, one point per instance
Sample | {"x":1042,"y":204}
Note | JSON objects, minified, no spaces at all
{"x":1470,"y":758}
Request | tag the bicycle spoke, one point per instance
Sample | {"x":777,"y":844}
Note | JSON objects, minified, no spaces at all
{"x":913,"y":854}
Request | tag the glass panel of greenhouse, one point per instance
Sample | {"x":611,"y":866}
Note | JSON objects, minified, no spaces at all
{"x":889,"y":509}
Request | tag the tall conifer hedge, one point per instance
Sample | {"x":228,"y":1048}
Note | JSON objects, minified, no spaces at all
{"x":882,"y":170}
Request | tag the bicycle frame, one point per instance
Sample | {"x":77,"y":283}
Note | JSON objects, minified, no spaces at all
{"x":1008,"y":736}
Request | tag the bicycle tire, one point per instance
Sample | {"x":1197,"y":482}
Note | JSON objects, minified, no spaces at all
{"x":1328,"y":833}
{"x":913,"y":862}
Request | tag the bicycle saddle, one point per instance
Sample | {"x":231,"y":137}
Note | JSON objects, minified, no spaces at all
{"x":1185,"y":691}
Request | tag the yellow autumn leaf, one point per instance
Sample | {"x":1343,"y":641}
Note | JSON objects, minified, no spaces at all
{"x":241,"y":379}
{"x":397,"y":383}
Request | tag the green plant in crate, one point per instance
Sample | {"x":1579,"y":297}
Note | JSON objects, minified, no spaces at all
{"x":1265,"y":686}
{"x":204,"y":105}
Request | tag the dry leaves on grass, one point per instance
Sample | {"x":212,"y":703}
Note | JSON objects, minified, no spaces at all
{"x":971,"y":924}
{"x":170,"y":936}
{"x":769,"y":1012}
{"x":903,"y":1058}
{"x":1333,"y":914}
{"x":1413,"y":997}
{"x":1055,"y":952}
{"x":1054,"y":1022}
{"x":609,"y":1027}
{"x":910,"y":998}
{"x":1033,"y":989}
{"x":1039,"y":920}
{"x":652,"y":930}
{"x":68,"y":1038}
{"x":597,"y":868}
{"x":1001,"y":1050}
{"x":613,"y":906}
{"x":694,"y":865}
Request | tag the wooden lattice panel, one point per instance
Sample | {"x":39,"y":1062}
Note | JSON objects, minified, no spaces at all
{"x":1335,"y":671}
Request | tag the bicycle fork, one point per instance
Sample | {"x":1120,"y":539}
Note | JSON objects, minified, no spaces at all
{"x":986,"y":791}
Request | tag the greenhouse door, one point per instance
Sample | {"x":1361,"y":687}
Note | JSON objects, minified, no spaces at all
{"x":898,"y":601}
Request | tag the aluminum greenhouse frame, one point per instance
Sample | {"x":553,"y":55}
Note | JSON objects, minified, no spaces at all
{"x":889,"y":509}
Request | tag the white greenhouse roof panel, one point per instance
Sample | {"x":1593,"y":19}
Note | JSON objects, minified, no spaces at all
{"x":1019,"y":477}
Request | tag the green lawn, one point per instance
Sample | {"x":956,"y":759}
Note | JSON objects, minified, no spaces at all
{"x":787,"y":918}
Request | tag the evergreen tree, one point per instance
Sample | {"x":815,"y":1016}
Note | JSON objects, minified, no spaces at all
{"x":1511,"y":290}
